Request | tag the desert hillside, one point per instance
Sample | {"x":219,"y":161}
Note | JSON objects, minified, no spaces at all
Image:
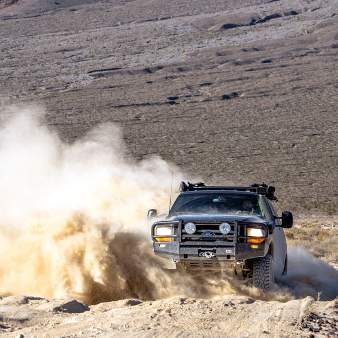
{"x":232,"y":91}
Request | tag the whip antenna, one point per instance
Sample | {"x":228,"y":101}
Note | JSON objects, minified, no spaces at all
{"x":171,"y":190}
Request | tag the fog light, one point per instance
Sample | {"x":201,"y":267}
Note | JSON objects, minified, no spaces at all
{"x":225,"y":228}
{"x":190,"y":228}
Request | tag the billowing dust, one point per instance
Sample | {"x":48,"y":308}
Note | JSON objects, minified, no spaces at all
{"x":72,"y":217}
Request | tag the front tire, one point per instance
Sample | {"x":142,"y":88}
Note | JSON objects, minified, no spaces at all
{"x":262,"y":273}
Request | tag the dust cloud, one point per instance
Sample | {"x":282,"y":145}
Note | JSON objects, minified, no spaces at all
{"x":70,"y":214}
{"x":310,"y":276}
{"x":72,"y":218}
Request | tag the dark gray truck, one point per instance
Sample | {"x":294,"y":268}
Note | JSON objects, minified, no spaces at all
{"x":217,"y":228}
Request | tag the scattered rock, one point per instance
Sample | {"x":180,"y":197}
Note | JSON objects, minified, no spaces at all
{"x":290,"y":13}
{"x":172,"y":98}
{"x":253,"y":49}
{"x":133,"y":302}
{"x":230,"y":96}
{"x":230,"y":25}
{"x":183,"y":69}
{"x":62,"y":305}
{"x":228,"y":303}
{"x":258,"y":20}
{"x":255,"y":21}
{"x":72,"y":306}
{"x":151,"y":70}
{"x":204,"y":84}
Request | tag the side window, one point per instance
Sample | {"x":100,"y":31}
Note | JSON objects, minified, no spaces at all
{"x":265,"y":208}
{"x":274,"y":212}
{"x":272,"y":207}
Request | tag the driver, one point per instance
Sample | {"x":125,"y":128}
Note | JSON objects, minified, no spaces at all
{"x":248,"y":207}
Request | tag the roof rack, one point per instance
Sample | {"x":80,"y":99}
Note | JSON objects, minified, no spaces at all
{"x":261,"y":189}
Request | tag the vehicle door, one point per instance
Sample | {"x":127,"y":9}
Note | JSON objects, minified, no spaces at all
{"x":279,"y":242}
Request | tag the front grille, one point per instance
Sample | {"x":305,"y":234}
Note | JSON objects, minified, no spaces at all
{"x":209,"y":232}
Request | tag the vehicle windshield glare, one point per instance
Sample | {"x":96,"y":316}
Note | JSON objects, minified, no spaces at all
{"x":217,"y":203}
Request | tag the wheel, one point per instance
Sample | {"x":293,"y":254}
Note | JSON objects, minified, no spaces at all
{"x":262,"y":273}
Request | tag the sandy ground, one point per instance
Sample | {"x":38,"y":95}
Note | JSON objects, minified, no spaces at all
{"x":305,"y":304}
{"x":228,"y":316}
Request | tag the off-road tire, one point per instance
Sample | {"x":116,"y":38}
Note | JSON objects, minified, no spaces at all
{"x":262,"y":273}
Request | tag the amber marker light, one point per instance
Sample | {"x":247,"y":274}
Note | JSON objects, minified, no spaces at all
{"x":253,"y":246}
{"x":164,"y":233}
{"x":256,"y":236}
{"x":255,"y":240}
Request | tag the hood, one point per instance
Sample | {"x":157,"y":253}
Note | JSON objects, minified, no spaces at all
{"x":216,"y":218}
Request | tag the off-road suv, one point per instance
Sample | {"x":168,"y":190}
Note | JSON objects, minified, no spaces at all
{"x":216,"y":228}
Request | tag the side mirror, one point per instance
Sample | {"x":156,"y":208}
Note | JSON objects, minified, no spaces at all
{"x":287,"y":219}
{"x":152,"y":213}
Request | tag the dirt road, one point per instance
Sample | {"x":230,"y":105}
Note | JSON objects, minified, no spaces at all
{"x":228,"y":316}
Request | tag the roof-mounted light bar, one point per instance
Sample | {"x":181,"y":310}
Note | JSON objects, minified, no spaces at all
{"x":261,"y":189}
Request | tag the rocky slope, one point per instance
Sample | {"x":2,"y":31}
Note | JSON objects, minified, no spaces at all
{"x":232,"y":91}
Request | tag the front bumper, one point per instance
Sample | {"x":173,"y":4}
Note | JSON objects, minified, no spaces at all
{"x":231,"y":250}
{"x":236,"y":252}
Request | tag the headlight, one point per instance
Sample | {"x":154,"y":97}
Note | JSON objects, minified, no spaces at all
{"x":255,"y":232}
{"x":190,"y":228}
{"x":163,"y":230}
{"x":225,"y":228}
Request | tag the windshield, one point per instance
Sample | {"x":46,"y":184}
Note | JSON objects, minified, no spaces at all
{"x":217,"y":203}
